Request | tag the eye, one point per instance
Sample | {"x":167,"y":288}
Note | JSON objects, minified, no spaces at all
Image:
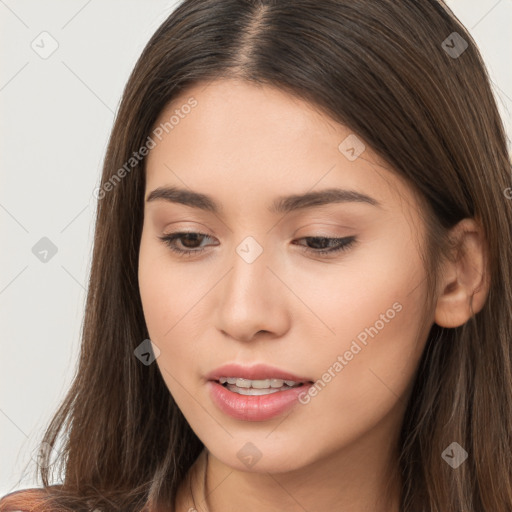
{"x":340,"y":244}
{"x":190,"y":239}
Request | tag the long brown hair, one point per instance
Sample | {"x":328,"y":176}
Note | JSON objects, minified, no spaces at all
{"x":382,"y":68}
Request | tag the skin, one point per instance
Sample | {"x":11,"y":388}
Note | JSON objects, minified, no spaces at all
{"x":244,"y":145}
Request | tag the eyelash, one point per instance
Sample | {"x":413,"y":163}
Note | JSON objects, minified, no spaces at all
{"x":344,"y":243}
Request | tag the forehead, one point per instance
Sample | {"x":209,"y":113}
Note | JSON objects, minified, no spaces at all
{"x":241,"y":141}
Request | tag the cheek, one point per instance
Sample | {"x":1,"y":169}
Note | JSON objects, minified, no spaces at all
{"x":375,"y":308}
{"x":350,"y":295}
{"x":165,"y":290}
{"x":152,"y":286}
{"x":168,"y":297}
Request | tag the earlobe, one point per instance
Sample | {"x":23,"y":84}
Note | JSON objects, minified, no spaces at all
{"x":466,"y":278}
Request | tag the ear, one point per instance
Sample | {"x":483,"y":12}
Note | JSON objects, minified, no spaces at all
{"x":466,"y":280}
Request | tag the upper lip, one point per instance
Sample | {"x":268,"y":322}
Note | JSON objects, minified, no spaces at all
{"x":255,"y":372}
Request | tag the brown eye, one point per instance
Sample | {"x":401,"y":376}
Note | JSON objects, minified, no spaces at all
{"x":188,"y":240}
{"x":340,"y":244}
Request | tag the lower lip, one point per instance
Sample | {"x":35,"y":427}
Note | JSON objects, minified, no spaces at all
{"x":254,"y":408}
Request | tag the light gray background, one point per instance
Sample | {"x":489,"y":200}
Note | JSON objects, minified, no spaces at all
{"x":56,"y":116}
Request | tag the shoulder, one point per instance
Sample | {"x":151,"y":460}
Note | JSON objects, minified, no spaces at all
{"x":22,"y":501}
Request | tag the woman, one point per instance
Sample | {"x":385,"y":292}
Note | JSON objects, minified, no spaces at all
{"x":300,"y":290}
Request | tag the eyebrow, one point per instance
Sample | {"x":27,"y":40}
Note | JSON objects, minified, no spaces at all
{"x":282,"y":204}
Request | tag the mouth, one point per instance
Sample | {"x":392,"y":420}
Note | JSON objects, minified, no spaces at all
{"x":251,"y":387}
{"x":258,"y":392}
{"x":256,"y":399}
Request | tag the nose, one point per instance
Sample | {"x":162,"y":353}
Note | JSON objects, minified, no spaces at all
{"x":253,"y":299}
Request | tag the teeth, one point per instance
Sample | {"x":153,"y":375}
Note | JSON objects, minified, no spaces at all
{"x":257,"y":384}
{"x":243,"y":383}
{"x":252,"y":391}
{"x":260,"y":384}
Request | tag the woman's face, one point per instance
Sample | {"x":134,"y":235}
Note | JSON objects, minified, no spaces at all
{"x":261,"y":293}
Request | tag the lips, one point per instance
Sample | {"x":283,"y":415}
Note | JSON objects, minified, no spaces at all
{"x":255,"y":372}
{"x":254,"y":408}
